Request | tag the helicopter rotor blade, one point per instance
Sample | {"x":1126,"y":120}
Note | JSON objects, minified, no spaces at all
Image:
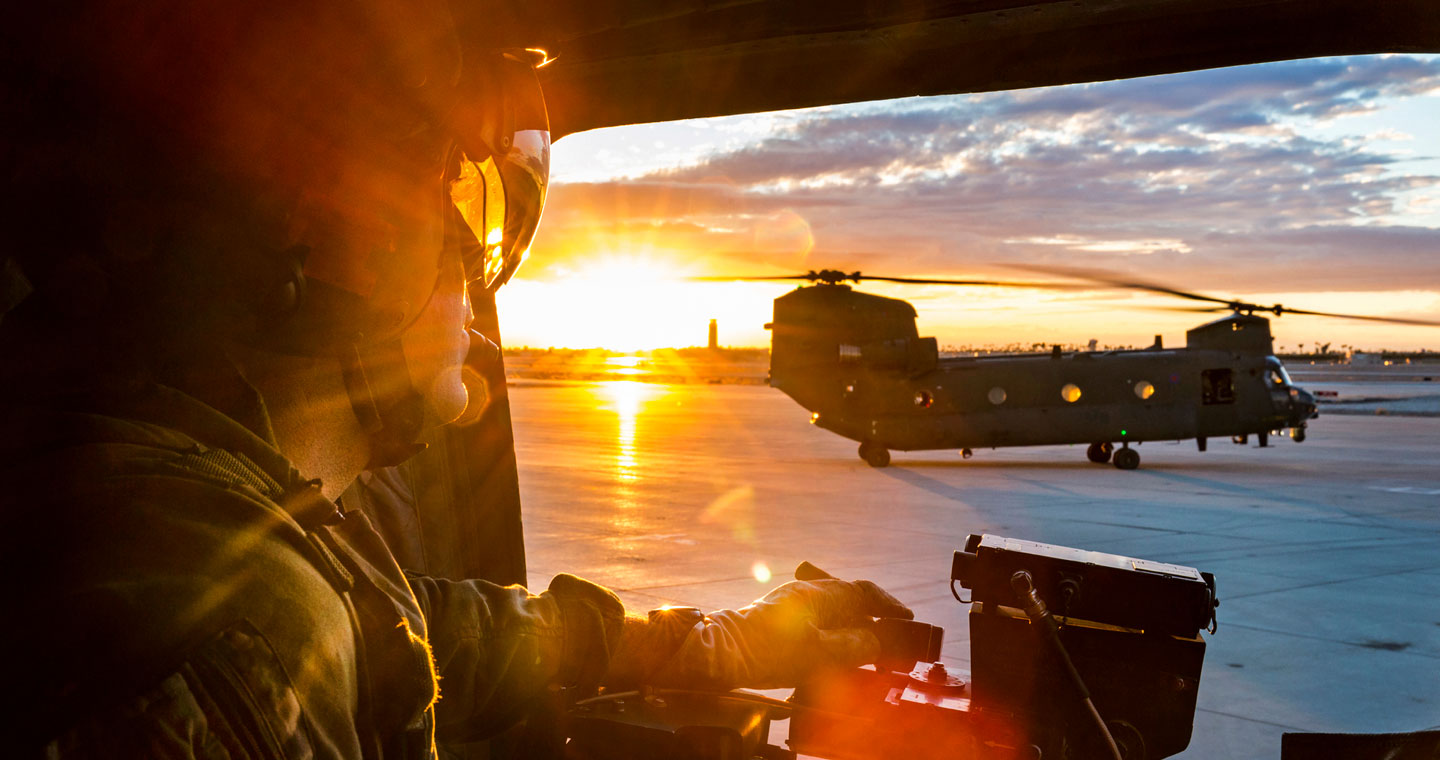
{"x":1105,"y":278}
{"x":1087,"y":275}
{"x":756,"y":278}
{"x":1226,"y":304}
{"x":828,"y":276}
{"x":972,"y":283}
{"x":1187,"y":309}
{"x":1387,"y":320}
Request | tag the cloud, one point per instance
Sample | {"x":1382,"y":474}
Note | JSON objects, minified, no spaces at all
{"x":1218,"y":179}
{"x":1078,"y":243}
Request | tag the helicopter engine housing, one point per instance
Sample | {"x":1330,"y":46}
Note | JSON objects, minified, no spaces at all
{"x":825,"y":336}
{"x":1240,"y":333}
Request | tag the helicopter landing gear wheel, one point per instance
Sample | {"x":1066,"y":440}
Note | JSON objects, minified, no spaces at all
{"x":1263,"y":438}
{"x":874,"y":454}
{"x":1127,"y":458}
{"x":966,"y":453}
{"x":1298,"y":434}
{"x":1099,"y":453}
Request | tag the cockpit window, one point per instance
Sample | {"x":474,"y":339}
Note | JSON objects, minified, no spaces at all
{"x":1276,"y":372}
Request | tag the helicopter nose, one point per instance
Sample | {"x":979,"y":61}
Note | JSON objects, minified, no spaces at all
{"x":1305,"y":404}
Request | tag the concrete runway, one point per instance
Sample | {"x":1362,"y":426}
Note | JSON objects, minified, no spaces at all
{"x":1327,"y":553}
{"x":1395,"y":390}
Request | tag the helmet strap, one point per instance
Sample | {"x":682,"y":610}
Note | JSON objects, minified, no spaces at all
{"x":390,"y":410}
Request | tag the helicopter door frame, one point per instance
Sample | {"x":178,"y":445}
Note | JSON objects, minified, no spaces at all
{"x":1217,"y":386}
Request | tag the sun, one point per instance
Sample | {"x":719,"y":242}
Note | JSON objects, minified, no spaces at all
{"x":629,"y":302}
{"x":618,"y":302}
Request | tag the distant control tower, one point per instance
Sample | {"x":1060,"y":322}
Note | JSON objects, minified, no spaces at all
{"x":714,"y":335}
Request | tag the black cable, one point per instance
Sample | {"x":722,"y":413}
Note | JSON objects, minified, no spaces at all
{"x":1104,"y":729}
{"x":1034,"y":606}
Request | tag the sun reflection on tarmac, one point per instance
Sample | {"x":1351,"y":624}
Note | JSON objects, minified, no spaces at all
{"x":626,"y":365}
{"x":628,"y":399}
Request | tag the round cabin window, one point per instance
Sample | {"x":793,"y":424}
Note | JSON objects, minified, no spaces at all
{"x":996,"y":396}
{"x":1144,"y":389}
{"x":1071,"y":392}
{"x":923,"y":399}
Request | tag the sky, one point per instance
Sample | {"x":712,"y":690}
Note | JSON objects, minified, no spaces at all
{"x":1311,"y":183}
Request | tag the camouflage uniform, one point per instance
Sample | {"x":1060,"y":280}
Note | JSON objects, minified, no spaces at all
{"x":187,"y":593}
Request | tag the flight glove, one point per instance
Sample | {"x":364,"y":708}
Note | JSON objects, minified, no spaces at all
{"x":779,"y":639}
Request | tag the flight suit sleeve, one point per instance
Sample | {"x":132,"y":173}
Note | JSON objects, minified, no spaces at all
{"x":497,"y":648}
{"x":168,"y":722}
{"x":232,"y":700}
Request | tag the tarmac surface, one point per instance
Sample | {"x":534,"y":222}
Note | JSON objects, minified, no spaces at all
{"x":1410,"y":390}
{"x":1327,"y":552}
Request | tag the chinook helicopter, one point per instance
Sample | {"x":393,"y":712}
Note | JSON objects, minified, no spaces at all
{"x":857,"y":362}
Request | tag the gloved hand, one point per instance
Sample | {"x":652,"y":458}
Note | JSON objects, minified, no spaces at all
{"x":778,"y":640}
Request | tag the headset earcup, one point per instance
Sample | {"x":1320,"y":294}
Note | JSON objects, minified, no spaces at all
{"x":284,"y":296}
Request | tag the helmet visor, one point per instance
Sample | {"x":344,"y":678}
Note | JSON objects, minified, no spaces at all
{"x":500,"y":199}
{"x":501,"y":169}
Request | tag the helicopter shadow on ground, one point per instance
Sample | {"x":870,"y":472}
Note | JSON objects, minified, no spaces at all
{"x":1068,"y":465}
{"x":1269,"y":495}
{"x":907,"y":473}
{"x":940,"y":488}
{"x":1172,"y":473}
{"x":962,"y":492}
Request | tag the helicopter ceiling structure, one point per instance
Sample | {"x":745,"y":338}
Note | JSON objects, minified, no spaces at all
{"x":857,"y":363}
{"x":639,"y":61}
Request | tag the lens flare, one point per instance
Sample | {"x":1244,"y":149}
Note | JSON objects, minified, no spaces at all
{"x":761,"y":571}
{"x":734,"y":509}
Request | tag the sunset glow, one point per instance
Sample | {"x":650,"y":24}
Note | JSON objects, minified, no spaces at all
{"x":1309,"y":183}
{"x":632,"y":303}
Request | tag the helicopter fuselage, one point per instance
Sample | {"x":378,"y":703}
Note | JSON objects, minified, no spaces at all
{"x":1191,"y":394}
{"x":856,"y":362}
